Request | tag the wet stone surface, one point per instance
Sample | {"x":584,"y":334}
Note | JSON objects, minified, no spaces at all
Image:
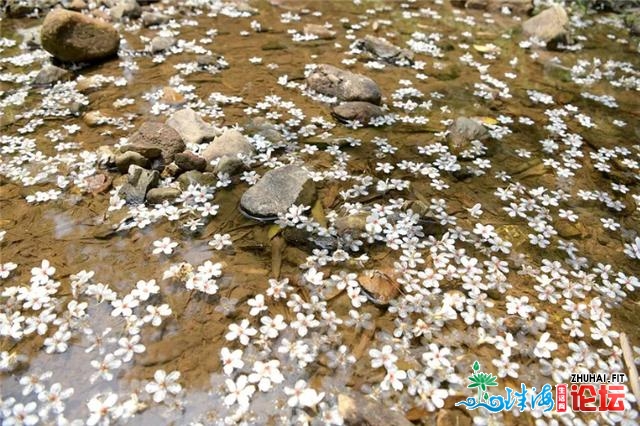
{"x":191,"y":127}
{"x":363,"y":112}
{"x":155,"y":140}
{"x":74,"y":37}
{"x":140,"y":181}
{"x":277,"y":191}
{"x":344,"y":85}
{"x":449,"y":190}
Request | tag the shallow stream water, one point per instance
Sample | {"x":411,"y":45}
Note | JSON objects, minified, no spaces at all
{"x":75,"y":231}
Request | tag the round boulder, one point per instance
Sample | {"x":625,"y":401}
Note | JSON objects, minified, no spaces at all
{"x":74,"y":37}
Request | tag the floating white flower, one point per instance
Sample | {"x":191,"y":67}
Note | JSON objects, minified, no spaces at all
{"x":302,"y":396}
{"x":164,"y":245}
{"x":240,"y":392}
{"x":243,"y":332}
{"x":231,"y":360}
{"x":102,"y":409}
{"x":163,"y":384}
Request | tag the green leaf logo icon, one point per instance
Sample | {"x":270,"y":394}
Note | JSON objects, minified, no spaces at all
{"x":481,"y":381}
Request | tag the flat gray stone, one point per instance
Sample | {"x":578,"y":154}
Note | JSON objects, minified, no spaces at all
{"x":191,"y":127}
{"x":154,"y":18}
{"x":616,"y":6}
{"x":463,"y":132}
{"x":632,"y":21}
{"x":76,"y":5}
{"x":357,"y":111}
{"x":345,"y":85}
{"x":228,"y":164}
{"x":383,"y":49}
{"x":159,"y":195}
{"x":278,"y":190}
{"x":50,"y":74}
{"x":230,"y":143}
{"x":265,"y":128}
{"x":320,"y":31}
{"x":160,"y":43}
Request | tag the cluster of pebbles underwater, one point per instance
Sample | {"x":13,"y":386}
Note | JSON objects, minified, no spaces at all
{"x":315,"y":212}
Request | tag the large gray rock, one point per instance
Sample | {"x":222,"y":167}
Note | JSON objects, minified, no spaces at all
{"x":229,"y":144}
{"x":383,"y":49}
{"x":345,"y":85}
{"x":155,"y":140}
{"x":358,"y":111}
{"x":548,"y":26}
{"x":140,"y":181}
{"x":74,"y":37}
{"x":191,"y":127}
{"x":463,"y":132}
{"x":278,"y":190}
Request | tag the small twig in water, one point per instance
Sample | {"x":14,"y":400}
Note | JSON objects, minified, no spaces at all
{"x":627,"y":354}
{"x":184,"y":308}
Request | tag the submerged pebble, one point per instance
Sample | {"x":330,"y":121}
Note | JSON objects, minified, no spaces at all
{"x":260,"y":210}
